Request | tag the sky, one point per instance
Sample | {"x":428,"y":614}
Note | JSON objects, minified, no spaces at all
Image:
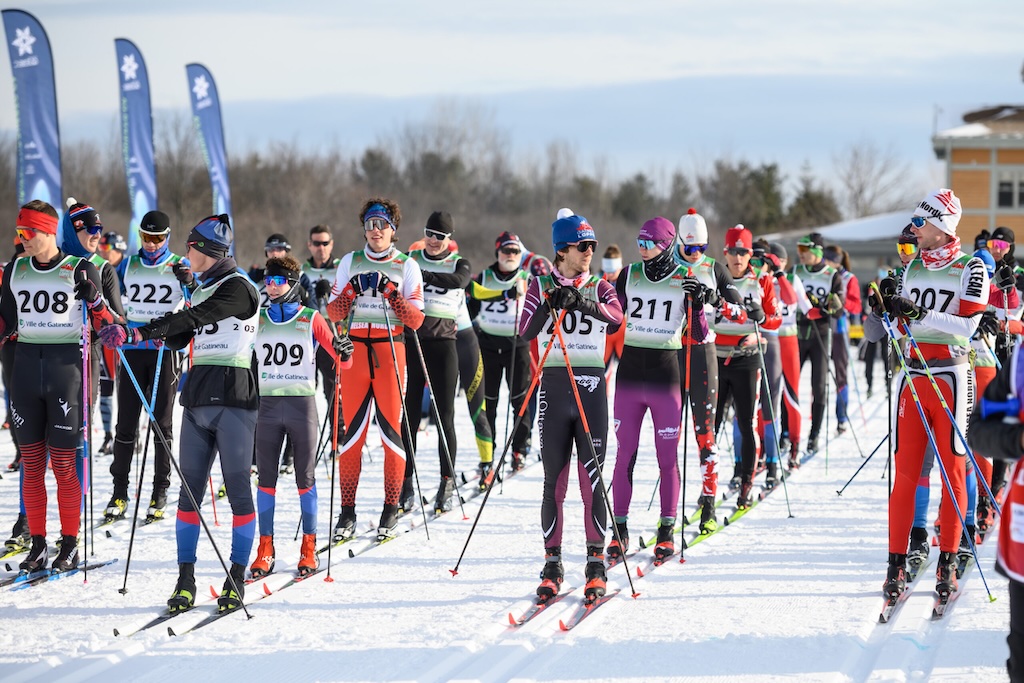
{"x":657,"y":85}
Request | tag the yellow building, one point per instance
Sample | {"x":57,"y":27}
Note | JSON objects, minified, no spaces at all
{"x":985,"y":167}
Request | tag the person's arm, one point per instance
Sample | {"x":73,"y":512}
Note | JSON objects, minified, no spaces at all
{"x":607,"y":307}
{"x":112,"y":291}
{"x":725,"y":285}
{"x":323,"y":336}
{"x":536,"y":312}
{"x":459,"y":279}
{"x":620,"y":296}
{"x":99,"y":313}
{"x":770,"y":304}
{"x":233,"y":299}
{"x":342,"y":295}
{"x":407,"y":302}
{"x":8,"y":307}
{"x":854,"y":305}
{"x":992,"y":435}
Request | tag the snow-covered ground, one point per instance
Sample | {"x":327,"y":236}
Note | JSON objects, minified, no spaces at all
{"x":775,"y":596}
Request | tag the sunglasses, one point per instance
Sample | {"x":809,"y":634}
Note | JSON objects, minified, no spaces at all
{"x":279,"y":280}
{"x":691,"y":249}
{"x":91,"y":229}
{"x":806,"y":247}
{"x":26,"y":233}
{"x":998,"y":244}
{"x":152,"y":239}
{"x":509,"y":251}
{"x":317,"y":243}
{"x":435,"y":234}
{"x":737,"y":251}
{"x":906,"y":249}
{"x":376,"y":224}
{"x":919,"y":221}
{"x":584,"y":247}
{"x":646,"y":244}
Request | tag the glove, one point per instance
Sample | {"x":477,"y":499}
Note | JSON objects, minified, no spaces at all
{"x":989,"y":324}
{"x":566,"y":298}
{"x":86,"y":290}
{"x":386,"y":286}
{"x":877,"y":303}
{"x":773,"y":263}
{"x":344,"y":347}
{"x":1004,"y":278}
{"x":183,"y":272}
{"x":114,"y":336}
{"x":322,"y":289}
{"x":815,"y":301}
{"x":511,"y":293}
{"x":368,"y":281}
{"x":831,"y":304}
{"x":755,"y":311}
{"x":887,"y":286}
{"x":698,"y":292}
{"x":907,"y":309}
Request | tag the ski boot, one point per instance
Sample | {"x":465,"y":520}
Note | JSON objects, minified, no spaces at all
{"x":67,"y":557}
{"x":708,"y":521}
{"x":518,"y":462}
{"x":596,"y":576}
{"x":308,"y":560}
{"x":20,"y":538}
{"x":407,"y":498}
{"x":945,"y":576}
{"x":233,"y":592}
{"x":616,"y":551}
{"x":184,"y":595}
{"x":985,"y":515}
{"x":896,"y":577}
{"x":666,"y":546}
{"x":771,"y":480}
{"x":964,"y":554}
{"x":264,"y":562}
{"x":117,"y":506}
{"x":15,"y":464}
{"x":222,"y":491}
{"x":737,"y":477}
{"x":794,"y":456}
{"x":486,"y":470}
{"x":443,"y":501}
{"x":38,"y":556}
{"x":157,"y":503}
{"x":917,"y":553}
{"x":388,"y":527}
{"x":842,"y":427}
{"x":345,"y":529}
{"x":812,"y":446}
{"x":784,"y":444}
{"x":552,"y":574}
{"x":744,"y":500}
{"x":108,"y":444}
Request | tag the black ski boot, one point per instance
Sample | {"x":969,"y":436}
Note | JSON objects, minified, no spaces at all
{"x":20,"y":538}
{"x":517,"y":462}
{"x":744,"y":500}
{"x":708,"y":521}
{"x":231,"y":596}
{"x":595,"y":573}
{"x":771,"y":480}
{"x":407,"y":498}
{"x":666,"y":546}
{"x":388,"y":527}
{"x":67,"y":557}
{"x":117,"y":506}
{"x":552,"y":574}
{"x":345,"y":529}
{"x":616,"y":551}
{"x":486,"y":470}
{"x":794,"y":456}
{"x":964,"y":553}
{"x":443,"y":501}
{"x":917,"y":553}
{"x":157,"y":503}
{"x":108,"y":444}
{"x":985,"y":514}
{"x":945,"y":576}
{"x":896,"y":577}
{"x":737,"y":476}
{"x":184,"y":595}
{"x":38,"y":556}
{"x":812,"y":445}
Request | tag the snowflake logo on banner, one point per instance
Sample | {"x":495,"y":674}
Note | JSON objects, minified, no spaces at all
{"x":200,"y":86}
{"x":128,"y":67}
{"x":23,"y":41}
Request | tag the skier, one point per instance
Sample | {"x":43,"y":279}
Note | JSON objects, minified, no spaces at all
{"x":949,"y":291}
{"x":111,"y":249}
{"x":152,"y":290}
{"x":653,"y":296}
{"x":289,"y":334}
{"x":320,"y":268}
{"x":220,"y":399}
{"x":41,"y":300}
{"x":850,"y":288}
{"x":368,"y":283}
{"x":277,"y":246}
{"x":790,"y":416}
{"x":589,"y":304}
{"x":445,"y":276}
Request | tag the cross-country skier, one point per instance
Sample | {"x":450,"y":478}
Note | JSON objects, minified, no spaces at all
{"x":111,"y":249}
{"x":836,"y":257}
{"x":320,"y":268}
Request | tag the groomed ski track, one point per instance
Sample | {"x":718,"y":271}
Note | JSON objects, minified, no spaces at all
{"x":769,"y":598}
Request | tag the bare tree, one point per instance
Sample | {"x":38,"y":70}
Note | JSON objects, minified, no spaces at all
{"x":874,"y":180}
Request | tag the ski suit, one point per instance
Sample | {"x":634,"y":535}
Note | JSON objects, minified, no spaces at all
{"x":823,"y":287}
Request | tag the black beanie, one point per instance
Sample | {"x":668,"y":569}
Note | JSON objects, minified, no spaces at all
{"x":441,"y":221}
{"x":1003,"y":233}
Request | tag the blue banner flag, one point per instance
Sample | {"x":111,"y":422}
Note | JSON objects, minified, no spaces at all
{"x":136,"y":135}
{"x":207,"y":119}
{"x":36,"y":103}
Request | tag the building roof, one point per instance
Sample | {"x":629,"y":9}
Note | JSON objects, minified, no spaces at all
{"x":882,"y":226}
{"x":998,"y":126}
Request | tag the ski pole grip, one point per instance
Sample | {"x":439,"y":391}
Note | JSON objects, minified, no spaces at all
{"x":1009,"y":408}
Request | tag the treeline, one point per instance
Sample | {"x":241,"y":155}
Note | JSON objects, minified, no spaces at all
{"x":457,"y":162}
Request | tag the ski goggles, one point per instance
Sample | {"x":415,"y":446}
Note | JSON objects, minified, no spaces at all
{"x":26,"y":233}
{"x":150,"y":238}
{"x":737,"y":251}
{"x":906,"y":248}
{"x":584,"y":247}
{"x":277,"y":280}
{"x":376,"y":224}
{"x":436,"y":234}
{"x":691,"y":249}
{"x":646,"y":244}
{"x":509,"y":251}
{"x":998,"y":244}
{"x":94,"y":229}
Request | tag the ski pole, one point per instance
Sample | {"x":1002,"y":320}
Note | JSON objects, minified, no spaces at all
{"x":512,"y":364}
{"x":508,"y":443}
{"x":442,"y":436}
{"x":856,"y":382}
{"x":771,"y":414}
{"x":142,"y":470}
{"x":184,"y":483}
{"x":213,"y":502}
{"x":405,"y":417}
{"x":86,"y":341}
{"x":909,"y":381}
{"x":337,"y":463}
{"x":828,"y":355}
{"x":850,"y":481}
{"x":590,"y":439}
{"x":686,"y":424}
{"x":889,"y":409}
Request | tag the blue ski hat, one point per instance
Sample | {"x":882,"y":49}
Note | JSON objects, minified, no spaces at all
{"x":571,"y":230}
{"x":988,"y":260}
{"x":78,"y":216}
{"x":212,"y":236}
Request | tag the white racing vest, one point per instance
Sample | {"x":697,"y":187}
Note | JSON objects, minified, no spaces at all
{"x":227,"y":342}
{"x":749,"y":288}
{"x":653,"y":313}
{"x":150,"y":291}
{"x":499,"y":318}
{"x":368,"y":307}
{"x":584,"y":336}
{"x":286,"y":353}
{"x":439,"y":302}
{"x":704,"y":271}
{"x":48,"y":312}
{"x":940,"y":290}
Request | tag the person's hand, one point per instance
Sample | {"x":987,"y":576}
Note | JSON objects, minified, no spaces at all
{"x":696,"y":290}
{"x":773,"y":263}
{"x":907,"y":309}
{"x":344,"y":347}
{"x":322,"y":289}
{"x":511,"y":293}
{"x":567,"y":298}
{"x":86,"y":290}
{"x":183,"y":272}
{"x":755,"y":311}
{"x":877,"y":302}
{"x":386,"y":286}
{"x":114,"y":336}
{"x":989,"y":323}
{"x":1004,"y":278}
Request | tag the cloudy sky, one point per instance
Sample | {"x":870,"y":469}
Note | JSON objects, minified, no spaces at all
{"x":655,"y":84}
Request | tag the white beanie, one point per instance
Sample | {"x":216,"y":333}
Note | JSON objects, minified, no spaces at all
{"x":692,"y":228}
{"x":942,"y":209}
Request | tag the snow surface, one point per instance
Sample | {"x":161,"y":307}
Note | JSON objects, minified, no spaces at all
{"x":773,"y":597}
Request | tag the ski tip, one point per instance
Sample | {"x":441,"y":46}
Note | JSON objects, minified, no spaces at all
{"x":116,"y":633}
{"x":109,"y":535}
{"x":213,"y":592}
{"x":562,"y":626}
{"x":170,"y":632}
{"x":266,"y":589}
{"x":512,"y":620}
{"x":639,"y":573}
{"x":351,"y":554}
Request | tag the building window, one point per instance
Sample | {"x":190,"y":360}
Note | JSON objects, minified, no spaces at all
{"x":1005,"y":195}
{"x":1010,"y":190}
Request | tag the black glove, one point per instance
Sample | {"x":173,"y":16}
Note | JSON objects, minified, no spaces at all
{"x":386,"y":286}
{"x":183,"y":273}
{"x":86,"y":290}
{"x":344,"y":347}
{"x":322,"y":289}
{"x":887,"y":286}
{"x":877,"y":302}
{"x":755,"y":311}
{"x":989,"y":324}
{"x":511,"y":293}
{"x":698,"y":292}
{"x":566,"y":298}
{"x":907,"y":309}
{"x":1004,"y":278}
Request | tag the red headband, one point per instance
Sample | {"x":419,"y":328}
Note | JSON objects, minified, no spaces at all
{"x":37,"y":220}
